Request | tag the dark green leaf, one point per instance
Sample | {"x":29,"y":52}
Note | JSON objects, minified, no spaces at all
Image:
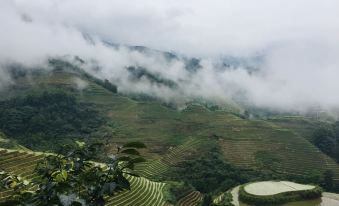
{"x":134,"y":145}
{"x":132,"y":174}
{"x":138,"y":160}
{"x":130,"y":151}
{"x":124,"y":158}
{"x":74,"y":203}
{"x":123,"y":182}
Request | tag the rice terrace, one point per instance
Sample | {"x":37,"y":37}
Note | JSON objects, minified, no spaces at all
{"x":169,"y":103}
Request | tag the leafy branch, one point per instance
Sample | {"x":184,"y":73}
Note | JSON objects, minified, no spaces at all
{"x":72,"y":178}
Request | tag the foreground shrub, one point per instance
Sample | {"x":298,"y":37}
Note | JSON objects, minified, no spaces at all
{"x":71,"y":178}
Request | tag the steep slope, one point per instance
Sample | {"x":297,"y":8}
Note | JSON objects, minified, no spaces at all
{"x":155,"y":169}
{"x":262,"y":145}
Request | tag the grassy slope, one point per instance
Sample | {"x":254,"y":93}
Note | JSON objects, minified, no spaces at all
{"x":275,"y":145}
{"x":300,"y":125}
{"x":261,"y":144}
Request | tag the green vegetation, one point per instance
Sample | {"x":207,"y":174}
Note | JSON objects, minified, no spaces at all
{"x":328,"y":182}
{"x":300,"y":125}
{"x":73,"y":179}
{"x":207,"y":201}
{"x":207,"y":173}
{"x":270,"y":148}
{"x":38,"y":120}
{"x":143,"y":191}
{"x":327,"y":140}
{"x":139,"y":72}
{"x":191,"y":199}
{"x":61,"y":65}
{"x":208,"y":147}
{"x":8,"y":143}
{"x":225,"y":199}
{"x":158,"y":169}
{"x":174,"y":191}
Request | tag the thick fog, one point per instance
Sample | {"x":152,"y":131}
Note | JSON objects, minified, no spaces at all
{"x":297,"y":42}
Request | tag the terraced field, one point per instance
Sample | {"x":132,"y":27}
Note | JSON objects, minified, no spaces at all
{"x":246,"y":143}
{"x":156,"y":168}
{"x":192,"y":199}
{"x":9,"y":143}
{"x":261,"y":145}
{"x":143,"y":191}
{"x":302,"y":126}
{"x":19,"y":163}
{"x":279,"y":145}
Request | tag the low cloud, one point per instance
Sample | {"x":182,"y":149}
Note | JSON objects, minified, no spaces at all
{"x":80,"y":84}
{"x":296,"y":41}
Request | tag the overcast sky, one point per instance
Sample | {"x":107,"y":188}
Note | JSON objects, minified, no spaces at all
{"x":299,"y":39}
{"x":197,"y":27}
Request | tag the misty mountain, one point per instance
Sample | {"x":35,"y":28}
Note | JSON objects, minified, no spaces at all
{"x":191,"y":64}
{"x":163,"y":103}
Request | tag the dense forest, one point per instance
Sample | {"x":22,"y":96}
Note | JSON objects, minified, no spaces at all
{"x":327,"y":140}
{"x":209,"y":173}
{"x":46,"y":118}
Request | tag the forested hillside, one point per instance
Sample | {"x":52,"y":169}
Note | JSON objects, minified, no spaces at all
{"x":201,"y":149}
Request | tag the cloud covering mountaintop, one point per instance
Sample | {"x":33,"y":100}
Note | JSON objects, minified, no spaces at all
{"x":298,"y":41}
